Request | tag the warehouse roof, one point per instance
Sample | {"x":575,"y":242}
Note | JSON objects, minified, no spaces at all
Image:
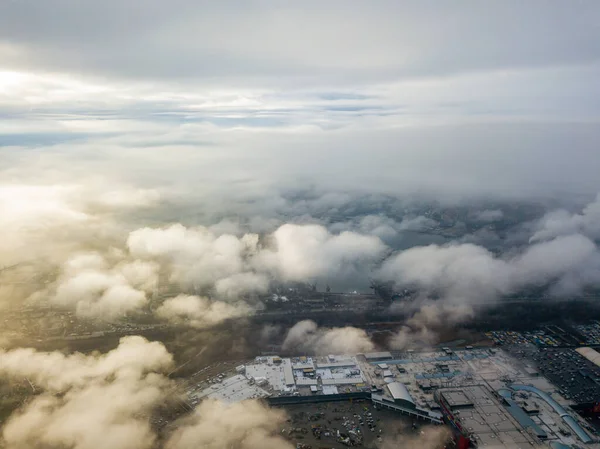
{"x":399,"y":392}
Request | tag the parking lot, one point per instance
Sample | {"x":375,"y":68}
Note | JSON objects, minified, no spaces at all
{"x":577,"y":378}
{"x":343,"y":424}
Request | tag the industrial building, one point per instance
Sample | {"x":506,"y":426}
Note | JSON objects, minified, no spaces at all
{"x":487,"y":397}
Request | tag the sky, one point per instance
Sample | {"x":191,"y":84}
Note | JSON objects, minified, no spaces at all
{"x":154,"y":130}
{"x":221,"y":148}
{"x":210,"y":98}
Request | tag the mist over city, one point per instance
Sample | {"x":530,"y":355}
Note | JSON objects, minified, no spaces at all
{"x":317,"y":225}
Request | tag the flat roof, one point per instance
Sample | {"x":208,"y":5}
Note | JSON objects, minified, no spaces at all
{"x":274,"y":374}
{"x":489,"y":423}
{"x":330,"y":389}
{"x":232,"y":389}
{"x":338,"y":364}
{"x":378,"y":355}
{"x":457,"y":398}
{"x":288,"y":373}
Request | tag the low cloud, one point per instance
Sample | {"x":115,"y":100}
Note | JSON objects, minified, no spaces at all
{"x":384,"y":227}
{"x":425,"y":327}
{"x":562,"y":222}
{"x":304,"y":252}
{"x":106,"y":400}
{"x":88,"y":402}
{"x":468,"y":273}
{"x":306,"y":336}
{"x":428,"y":438}
{"x":489,"y":215}
{"x":419,"y":223}
{"x":93,"y":289}
{"x":199,"y":312}
{"x":243,"y":425}
{"x":229,"y":266}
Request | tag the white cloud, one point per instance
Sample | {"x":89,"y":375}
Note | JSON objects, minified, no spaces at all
{"x":199,"y":312}
{"x":470,"y":273}
{"x":306,"y":336}
{"x":244,"y":425}
{"x":561,"y":222}
{"x":235,"y":265}
{"x":88,"y":401}
{"x":99,"y":400}
{"x":93,"y":290}
{"x":310,"y":251}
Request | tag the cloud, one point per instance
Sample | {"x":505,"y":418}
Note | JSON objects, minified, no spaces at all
{"x":416,"y":224}
{"x":310,"y":251}
{"x":199,"y":312}
{"x":562,"y":222}
{"x":489,"y":215}
{"x":88,"y":401}
{"x":90,"y":287}
{"x":199,"y":258}
{"x":46,"y":225}
{"x":465,"y":276}
{"x":56,"y":372}
{"x":428,"y":438}
{"x":382,"y":226}
{"x":231,"y":265}
{"x":411,"y":44}
{"x":244,"y":425}
{"x":91,"y":401}
{"x":306,"y":336}
{"x":259,"y":152}
{"x":425,"y":326}
{"x":469,"y":273}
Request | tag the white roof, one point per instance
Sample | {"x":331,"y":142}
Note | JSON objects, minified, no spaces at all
{"x":232,"y":389}
{"x":387,"y":373}
{"x":591,"y":354}
{"x":338,"y":364}
{"x":343,"y":381}
{"x":399,"y":392}
{"x":330,"y":389}
{"x":288,"y":373}
{"x":378,"y":355}
{"x":303,"y":365}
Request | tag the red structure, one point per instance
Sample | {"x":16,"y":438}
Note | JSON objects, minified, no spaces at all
{"x":461,"y":436}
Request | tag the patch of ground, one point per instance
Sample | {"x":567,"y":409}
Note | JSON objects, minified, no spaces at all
{"x":343,"y":424}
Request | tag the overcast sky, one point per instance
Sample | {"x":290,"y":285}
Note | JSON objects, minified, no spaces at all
{"x":447,"y":98}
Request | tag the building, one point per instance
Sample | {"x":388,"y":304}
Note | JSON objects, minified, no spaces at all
{"x":378,"y":356}
{"x":400,"y":394}
{"x":488,"y":399}
{"x":476,"y":415}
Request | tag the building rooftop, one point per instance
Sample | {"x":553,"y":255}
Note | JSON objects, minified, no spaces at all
{"x":399,"y":392}
{"x":479,"y":386}
{"x":488,"y":422}
{"x":457,"y":398}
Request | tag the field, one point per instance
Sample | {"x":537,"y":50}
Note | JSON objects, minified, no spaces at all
{"x":343,"y":424}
